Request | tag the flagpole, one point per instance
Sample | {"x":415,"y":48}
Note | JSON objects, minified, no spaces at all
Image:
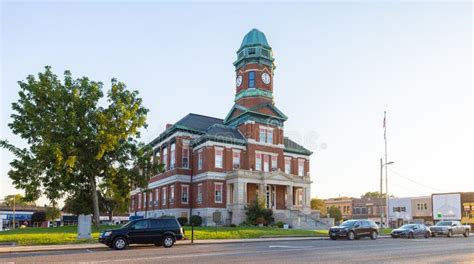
{"x":386,"y":167}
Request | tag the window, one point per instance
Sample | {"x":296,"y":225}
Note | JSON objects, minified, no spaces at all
{"x":270,"y":136}
{"x":165,"y":158}
{"x":288,"y":165}
{"x":185,"y":156}
{"x":156,"y":223}
{"x":172,"y":194}
{"x":169,"y":223}
{"x":299,"y":195}
{"x":163,"y":196}
{"x":133,"y":204}
{"x":199,"y":196}
{"x":218,"y":159}
{"x":300,"y":167}
{"x":151,"y":198}
{"x":425,"y":206}
{"x":274,"y":163}
{"x":258,"y":161}
{"x":184,"y":194}
{"x":252,"y":51}
{"x":172,"y":156}
{"x":157,"y":196}
{"x":418,"y":206}
{"x":251,"y":79}
{"x":144,"y":199}
{"x":139,"y":200}
{"x":218,"y":192}
{"x":266,"y":161}
{"x":140,"y":225}
{"x":265,"y":53}
{"x":200,"y":160}
{"x":236,"y":159}
{"x":263,"y":135}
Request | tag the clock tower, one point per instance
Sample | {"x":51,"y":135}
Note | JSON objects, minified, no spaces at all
{"x":254,"y":70}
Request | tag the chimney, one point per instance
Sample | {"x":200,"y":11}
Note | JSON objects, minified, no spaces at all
{"x":168,"y":126}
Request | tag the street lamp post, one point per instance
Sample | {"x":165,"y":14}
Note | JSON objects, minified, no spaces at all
{"x":382,"y":165}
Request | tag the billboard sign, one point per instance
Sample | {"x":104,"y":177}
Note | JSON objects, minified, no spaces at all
{"x":447,"y":206}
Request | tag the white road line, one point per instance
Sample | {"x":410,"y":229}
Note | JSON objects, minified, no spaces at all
{"x":281,"y":246}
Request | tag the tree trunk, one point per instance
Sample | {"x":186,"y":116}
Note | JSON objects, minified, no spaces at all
{"x":111,"y":213}
{"x":95,"y":201}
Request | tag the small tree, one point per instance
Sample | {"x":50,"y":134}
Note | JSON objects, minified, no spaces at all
{"x":38,"y":217}
{"x":317,"y":204}
{"x":258,"y":214}
{"x":52,"y":213}
{"x":196,"y":220}
{"x":335,"y":213}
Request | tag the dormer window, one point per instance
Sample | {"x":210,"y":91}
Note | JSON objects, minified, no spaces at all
{"x":265,"y":53}
{"x":252,"y":79}
{"x":252,"y":51}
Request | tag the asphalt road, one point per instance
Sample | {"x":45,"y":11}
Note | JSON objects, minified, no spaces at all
{"x":433,"y":250}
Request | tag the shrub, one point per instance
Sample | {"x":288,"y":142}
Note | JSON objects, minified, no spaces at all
{"x":167,"y":216}
{"x":279,"y":224}
{"x":38,"y":217}
{"x":233,"y":225}
{"x":196,"y":220}
{"x":183,"y":220}
{"x":258,"y":214}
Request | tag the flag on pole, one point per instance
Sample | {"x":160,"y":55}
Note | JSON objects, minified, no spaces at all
{"x":384,"y":126}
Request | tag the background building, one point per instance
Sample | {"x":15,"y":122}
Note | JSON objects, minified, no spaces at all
{"x":400,"y":211}
{"x":343,"y":203}
{"x":368,"y":208}
{"x":422,"y":210}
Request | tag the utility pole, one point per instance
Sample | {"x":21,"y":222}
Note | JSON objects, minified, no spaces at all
{"x":381,"y":194}
{"x":386,"y":168}
{"x":14,"y":205}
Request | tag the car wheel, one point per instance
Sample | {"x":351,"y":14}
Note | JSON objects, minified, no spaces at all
{"x":168,"y":241}
{"x":332,"y":237}
{"x":120,"y":243}
{"x":450,"y":233}
{"x":466,"y":233}
{"x":427,"y":235}
{"x":350,"y":235}
{"x":373,"y":235}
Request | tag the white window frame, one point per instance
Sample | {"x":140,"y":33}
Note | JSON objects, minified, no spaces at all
{"x":133,"y":204}
{"x":235,"y":158}
{"x":144,"y":199}
{"x":299,"y":195}
{"x":172,"y":156}
{"x":221,"y":186}
{"x":262,"y":138}
{"x":266,"y":163}
{"x":274,"y":161}
{"x":185,"y":157}
{"x":199,"y":193}
{"x":258,"y":161}
{"x":288,"y":165}
{"x":139,"y":201}
{"x":219,"y":159}
{"x":185,"y":190}
{"x":163,"y":195}
{"x":270,"y":136}
{"x":200,"y":160}
{"x":157,"y":196}
{"x":301,"y":168}
{"x":172,"y":194}
{"x":150,"y":202}
{"x":165,"y":158}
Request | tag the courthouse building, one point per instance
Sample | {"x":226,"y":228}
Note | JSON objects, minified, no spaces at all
{"x":214,"y":164}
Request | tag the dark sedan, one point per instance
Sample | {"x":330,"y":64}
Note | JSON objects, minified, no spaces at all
{"x":354,"y":229}
{"x":411,"y":231}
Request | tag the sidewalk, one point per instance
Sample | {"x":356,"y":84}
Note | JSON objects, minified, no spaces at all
{"x":90,"y":246}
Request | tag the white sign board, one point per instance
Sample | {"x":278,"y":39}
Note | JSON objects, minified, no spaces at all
{"x":84,"y":227}
{"x":447,"y":206}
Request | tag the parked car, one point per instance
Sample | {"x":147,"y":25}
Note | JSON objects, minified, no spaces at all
{"x":450,"y":228}
{"x":411,"y":231}
{"x":159,"y":231}
{"x":354,"y":229}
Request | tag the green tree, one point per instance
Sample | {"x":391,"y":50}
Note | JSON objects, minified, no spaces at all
{"x":52,"y":213}
{"x":375,"y":195}
{"x":318,"y":204}
{"x":16,"y":199}
{"x":335,"y":213}
{"x":75,"y":144}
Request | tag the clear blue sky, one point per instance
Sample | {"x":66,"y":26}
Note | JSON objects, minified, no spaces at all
{"x":339,"y":66}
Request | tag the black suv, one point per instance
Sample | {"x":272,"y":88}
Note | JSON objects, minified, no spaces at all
{"x":354,"y":229}
{"x":160,"y":231}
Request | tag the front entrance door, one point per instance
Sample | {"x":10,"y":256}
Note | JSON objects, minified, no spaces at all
{"x":270,"y":196}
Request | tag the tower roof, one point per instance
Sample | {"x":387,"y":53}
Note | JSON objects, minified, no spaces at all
{"x":255,"y":37}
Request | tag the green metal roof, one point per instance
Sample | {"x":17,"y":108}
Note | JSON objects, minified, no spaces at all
{"x":254,"y":38}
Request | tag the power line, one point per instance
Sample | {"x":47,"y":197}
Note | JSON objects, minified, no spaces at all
{"x":413,"y":181}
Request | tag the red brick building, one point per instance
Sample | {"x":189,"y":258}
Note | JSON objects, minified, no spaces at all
{"x":224,"y":164}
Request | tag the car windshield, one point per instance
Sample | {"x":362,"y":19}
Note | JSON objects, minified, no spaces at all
{"x":127,"y":225}
{"x":407,"y":226}
{"x":443,"y":223}
{"x":348,"y":223}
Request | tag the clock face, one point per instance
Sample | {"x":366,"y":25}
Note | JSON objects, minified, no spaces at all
{"x":266,"y":78}
{"x":239,"y":80}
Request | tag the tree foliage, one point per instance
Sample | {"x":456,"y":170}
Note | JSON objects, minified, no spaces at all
{"x":335,"y":213}
{"x":318,"y":204}
{"x":38,"y":217}
{"x":75,"y":144}
{"x":19,"y":201}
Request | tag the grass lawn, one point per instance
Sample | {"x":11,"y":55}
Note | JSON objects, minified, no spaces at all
{"x":67,"y":234}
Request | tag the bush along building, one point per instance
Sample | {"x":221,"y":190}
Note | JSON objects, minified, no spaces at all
{"x":214,"y":164}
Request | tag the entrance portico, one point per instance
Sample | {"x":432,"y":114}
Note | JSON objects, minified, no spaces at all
{"x":279,"y":191}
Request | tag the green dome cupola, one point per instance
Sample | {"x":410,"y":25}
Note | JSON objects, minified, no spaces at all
{"x":254,"y":49}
